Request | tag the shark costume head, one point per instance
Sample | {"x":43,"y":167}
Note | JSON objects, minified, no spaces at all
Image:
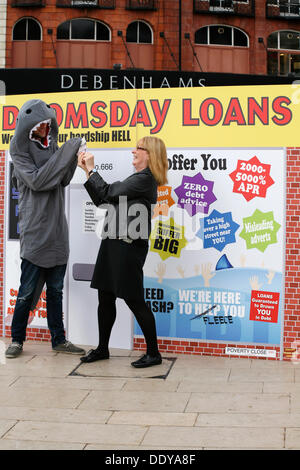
{"x":32,"y":114}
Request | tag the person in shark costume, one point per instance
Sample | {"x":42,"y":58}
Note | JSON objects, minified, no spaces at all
{"x":41,"y":170}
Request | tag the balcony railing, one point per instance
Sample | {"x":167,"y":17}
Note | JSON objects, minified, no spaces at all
{"x":104,"y":4}
{"x":225,"y":7}
{"x":27,"y":3}
{"x":151,"y":5}
{"x":283,"y":9}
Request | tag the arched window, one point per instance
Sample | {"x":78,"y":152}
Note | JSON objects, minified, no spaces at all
{"x":221,"y":35}
{"x":139,"y":38}
{"x":139,"y":32}
{"x":222,"y":48}
{"x":283,"y":52}
{"x":27,"y":29}
{"x":83,"y":43}
{"x":83,"y":29}
{"x":284,"y":40}
{"x":27,"y":44}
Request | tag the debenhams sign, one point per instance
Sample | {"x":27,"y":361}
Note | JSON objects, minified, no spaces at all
{"x":97,"y":81}
{"x":73,"y":80}
{"x":56,"y":80}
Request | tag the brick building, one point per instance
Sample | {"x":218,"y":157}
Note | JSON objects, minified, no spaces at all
{"x":3,"y":8}
{"x":246,"y":36}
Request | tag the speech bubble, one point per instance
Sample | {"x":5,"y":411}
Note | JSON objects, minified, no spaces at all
{"x":195,"y":194}
{"x":251,"y":178}
{"x":260,"y":230}
{"x":217,"y":230}
{"x":167,"y":239}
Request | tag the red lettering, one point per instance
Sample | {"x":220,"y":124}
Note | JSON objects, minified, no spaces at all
{"x":278,"y":108}
{"x":119,"y":113}
{"x":59,"y":112}
{"x":100,"y":115}
{"x":140,"y":115}
{"x":261,"y":111}
{"x":234,"y":113}
{"x":159,"y":114}
{"x":187,"y":119}
{"x":10,"y":114}
{"x":205,"y":111}
{"x":75,"y":118}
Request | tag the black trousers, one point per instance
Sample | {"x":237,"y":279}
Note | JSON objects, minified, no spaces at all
{"x":143,"y":314}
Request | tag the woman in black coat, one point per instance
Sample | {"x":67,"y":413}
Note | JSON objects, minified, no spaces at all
{"x":124,"y":246}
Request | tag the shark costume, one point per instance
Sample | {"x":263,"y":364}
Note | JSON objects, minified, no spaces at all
{"x":41,"y":172}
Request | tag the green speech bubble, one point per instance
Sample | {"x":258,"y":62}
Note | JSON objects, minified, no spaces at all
{"x":260,"y":230}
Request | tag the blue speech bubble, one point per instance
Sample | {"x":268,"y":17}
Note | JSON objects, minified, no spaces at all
{"x":217,"y":230}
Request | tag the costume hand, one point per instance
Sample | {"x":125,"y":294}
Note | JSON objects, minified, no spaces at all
{"x":81,"y":160}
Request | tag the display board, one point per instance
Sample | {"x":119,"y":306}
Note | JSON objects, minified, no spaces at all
{"x":215,"y":268}
{"x":217,"y":246}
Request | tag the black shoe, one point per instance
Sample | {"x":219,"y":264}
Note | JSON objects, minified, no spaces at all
{"x":147,"y":361}
{"x":95,"y":355}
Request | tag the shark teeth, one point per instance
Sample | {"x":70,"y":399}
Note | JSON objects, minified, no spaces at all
{"x":46,"y":121}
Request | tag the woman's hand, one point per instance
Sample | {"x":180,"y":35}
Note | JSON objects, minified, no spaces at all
{"x":89,"y":161}
{"x":86,"y":162}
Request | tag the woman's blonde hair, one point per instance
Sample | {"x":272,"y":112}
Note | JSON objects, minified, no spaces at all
{"x":158,"y":161}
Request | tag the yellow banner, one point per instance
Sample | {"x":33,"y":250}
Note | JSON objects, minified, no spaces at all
{"x":244,"y":116}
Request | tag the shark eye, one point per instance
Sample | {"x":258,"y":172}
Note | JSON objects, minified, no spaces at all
{"x":28,"y":111}
{"x":48,"y":106}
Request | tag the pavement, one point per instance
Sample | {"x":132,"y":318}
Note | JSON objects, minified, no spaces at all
{"x":50,"y":401}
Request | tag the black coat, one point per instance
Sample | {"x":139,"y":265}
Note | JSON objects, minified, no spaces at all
{"x":124,"y":247}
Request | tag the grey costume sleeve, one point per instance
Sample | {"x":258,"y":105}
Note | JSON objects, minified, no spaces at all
{"x":133,"y":187}
{"x":52,"y":173}
{"x":70,"y":172}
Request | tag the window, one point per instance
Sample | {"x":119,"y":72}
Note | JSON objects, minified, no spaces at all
{"x":27,"y":44}
{"x":239,"y":38}
{"x":284,"y":40}
{"x":83,"y":29}
{"x":83,"y":43}
{"x":281,"y":62}
{"x":289,"y":8}
{"x":139,"y":38}
{"x":201,"y":36}
{"x":221,"y":35}
{"x":139,"y":32}
{"x":27,"y":29}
